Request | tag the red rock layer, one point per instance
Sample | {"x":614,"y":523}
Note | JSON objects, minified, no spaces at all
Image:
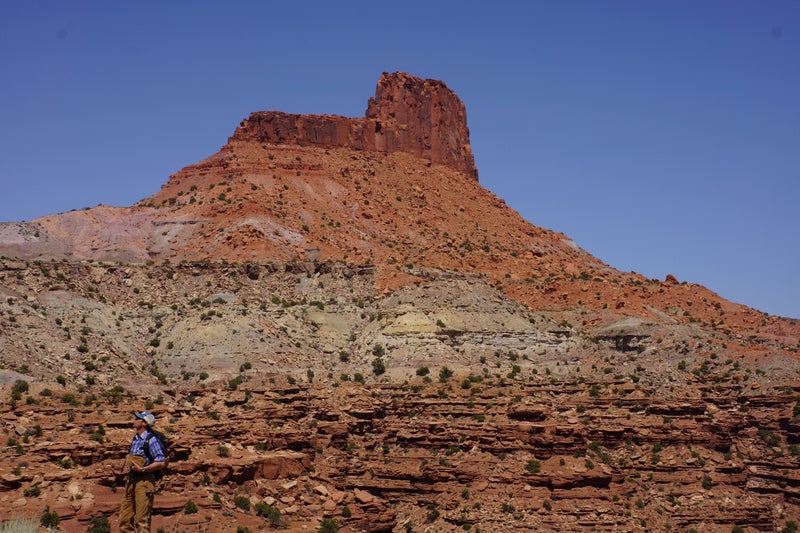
{"x":407,"y":114}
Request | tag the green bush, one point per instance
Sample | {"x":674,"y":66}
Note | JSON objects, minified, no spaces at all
{"x":433,"y":514}
{"x":69,"y":398}
{"x":770,"y":438}
{"x":99,"y":524}
{"x":242,"y":502}
{"x":19,"y":388}
{"x":49,"y":519}
{"x":329,"y":525}
{"x":273,"y":514}
{"x":533,"y":466}
{"x":445,"y":374}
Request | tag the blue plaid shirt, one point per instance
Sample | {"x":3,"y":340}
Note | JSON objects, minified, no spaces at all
{"x":137,"y":448}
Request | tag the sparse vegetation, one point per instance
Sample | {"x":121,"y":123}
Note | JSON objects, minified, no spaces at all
{"x":533,"y":466}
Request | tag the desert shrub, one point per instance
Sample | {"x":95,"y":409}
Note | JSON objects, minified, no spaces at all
{"x":99,"y":434}
{"x":69,"y":398}
{"x":190,"y":507}
{"x":433,"y":514}
{"x":329,"y":525}
{"x":273,"y":514}
{"x":242,"y":502}
{"x":49,"y":519}
{"x":99,"y":524}
{"x":533,"y":466}
{"x":19,"y":388}
{"x":770,"y":438}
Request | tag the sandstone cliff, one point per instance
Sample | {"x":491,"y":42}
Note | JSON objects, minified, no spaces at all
{"x":407,"y":114}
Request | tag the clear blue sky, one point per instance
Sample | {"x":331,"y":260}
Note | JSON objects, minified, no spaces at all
{"x":663,"y":137}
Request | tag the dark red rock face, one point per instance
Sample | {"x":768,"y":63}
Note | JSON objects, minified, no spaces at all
{"x":407,"y":114}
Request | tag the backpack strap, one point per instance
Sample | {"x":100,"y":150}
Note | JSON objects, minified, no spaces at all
{"x":147,"y":453}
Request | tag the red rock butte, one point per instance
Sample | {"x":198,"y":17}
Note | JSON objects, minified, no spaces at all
{"x":408,"y":114}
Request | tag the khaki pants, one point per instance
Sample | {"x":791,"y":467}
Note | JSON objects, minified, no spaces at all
{"x":137,"y":504}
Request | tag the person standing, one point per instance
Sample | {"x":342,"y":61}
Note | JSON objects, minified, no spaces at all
{"x":145,"y":457}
